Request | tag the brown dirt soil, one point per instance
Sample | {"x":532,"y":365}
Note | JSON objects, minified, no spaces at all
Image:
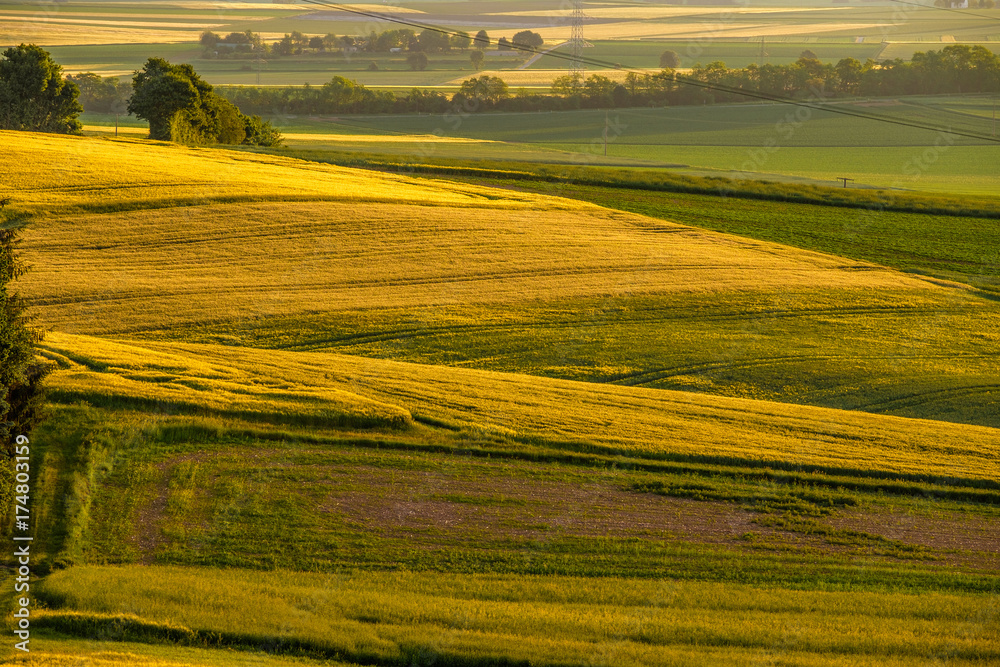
{"x":961,"y":539}
{"x":434,"y":508}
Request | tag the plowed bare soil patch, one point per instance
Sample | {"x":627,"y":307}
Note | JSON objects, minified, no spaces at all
{"x":447,"y":507}
{"x":965,"y":540}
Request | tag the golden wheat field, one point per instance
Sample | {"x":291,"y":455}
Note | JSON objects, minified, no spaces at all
{"x":708,"y":30}
{"x":628,"y":420}
{"x":210,"y":235}
{"x":132,"y":238}
{"x":654,"y":12}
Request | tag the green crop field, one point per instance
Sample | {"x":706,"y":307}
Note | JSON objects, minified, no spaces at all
{"x":645,"y":54}
{"x":772,"y":141}
{"x":486,"y":390}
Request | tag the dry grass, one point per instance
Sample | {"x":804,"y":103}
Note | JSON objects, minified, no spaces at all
{"x":117,"y":372}
{"x":209,"y":263}
{"x":705,"y":30}
{"x":109,"y":130}
{"x":84,"y":173}
{"x":61,"y":32}
{"x":544,"y":77}
{"x":644,"y":422}
{"x":653,"y":12}
{"x":65,"y":652}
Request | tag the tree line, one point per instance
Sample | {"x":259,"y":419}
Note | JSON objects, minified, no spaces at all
{"x":180,"y":106}
{"x":248,"y":44}
{"x":955,"y":69}
{"x":958,"y":68}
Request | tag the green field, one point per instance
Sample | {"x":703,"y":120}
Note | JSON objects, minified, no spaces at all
{"x":645,"y":54}
{"x":430,"y":619}
{"x":771,"y":141}
{"x":468,"y":390}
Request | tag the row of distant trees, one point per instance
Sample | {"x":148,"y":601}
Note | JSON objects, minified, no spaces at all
{"x":954,"y":69}
{"x":248,"y":44}
{"x":958,"y":68}
{"x":180,"y":106}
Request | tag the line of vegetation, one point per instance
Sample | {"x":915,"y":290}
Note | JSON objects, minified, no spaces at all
{"x":407,"y":618}
{"x":248,"y":44}
{"x":954,"y":69}
{"x":469,"y":442}
{"x":22,"y":393}
{"x":510,"y":172}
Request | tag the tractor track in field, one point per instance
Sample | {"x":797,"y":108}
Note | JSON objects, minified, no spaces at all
{"x":597,"y":319}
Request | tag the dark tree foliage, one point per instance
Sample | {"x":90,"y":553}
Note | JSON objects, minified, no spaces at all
{"x":33,"y":94}
{"x":181,"y":107}
{"x":161,"y":91}
{"x":21,"y":393}
{"x":528,"y":39}
{"x":260,"y":132}
{"x":107,"y":95}
{"x":433,"y":41}
{"x":417,"y":61}
{"x":670,"y":59}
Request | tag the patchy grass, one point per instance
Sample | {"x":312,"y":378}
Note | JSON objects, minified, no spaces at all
{"x":396,"y":618}
{"x":604,"y":418}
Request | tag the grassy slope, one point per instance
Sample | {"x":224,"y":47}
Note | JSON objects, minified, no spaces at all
{"x":463,"y":620}
{"x":619,"y":420}
{"x":465,"y":470}
{"x":182,"y":484}
{"x":613,"y":297}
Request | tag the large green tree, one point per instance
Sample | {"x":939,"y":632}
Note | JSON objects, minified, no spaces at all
{"x":21,"y":376}
{"x":528,"y":39}
{"x":33,"y":94}
{"x":182,"y":107}
{"x":161,"y":91}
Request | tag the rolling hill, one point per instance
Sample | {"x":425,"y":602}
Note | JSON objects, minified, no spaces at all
{"x":269,"y":252}
{"x":427,"y":422}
